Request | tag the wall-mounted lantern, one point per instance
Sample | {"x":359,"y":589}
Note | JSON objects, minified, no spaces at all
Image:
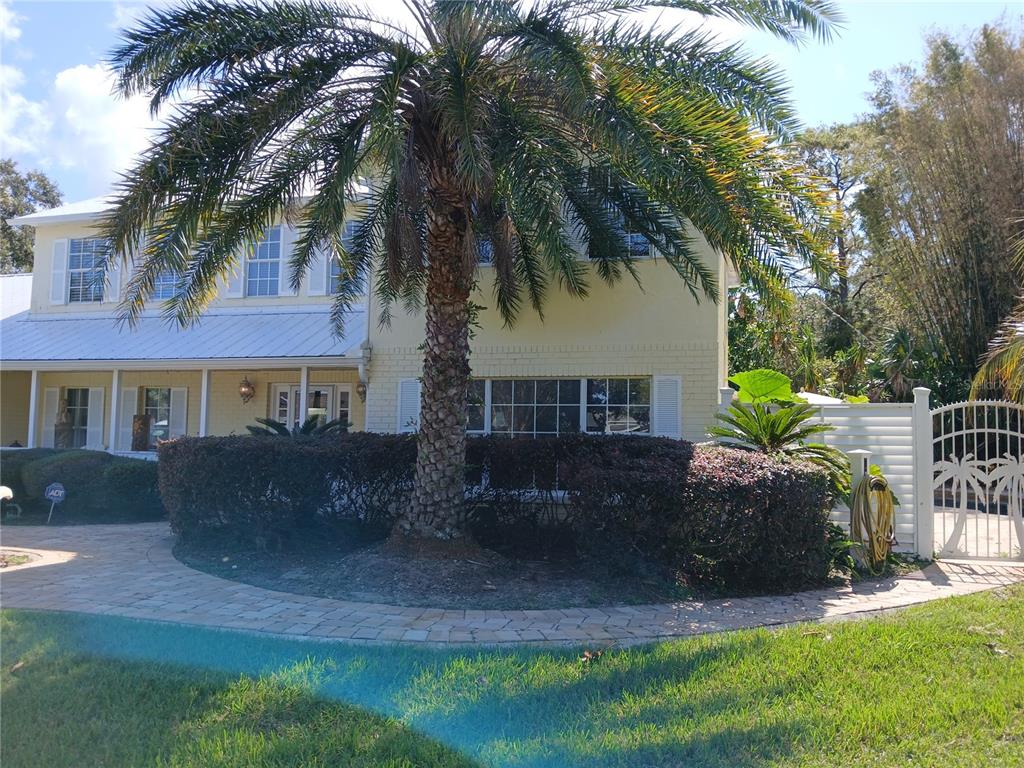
{"x":246,"y":390}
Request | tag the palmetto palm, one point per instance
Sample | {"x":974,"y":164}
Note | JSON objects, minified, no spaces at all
{"x":526,"y":124}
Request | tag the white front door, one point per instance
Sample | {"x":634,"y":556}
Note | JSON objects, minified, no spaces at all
{"x":319,"y":403}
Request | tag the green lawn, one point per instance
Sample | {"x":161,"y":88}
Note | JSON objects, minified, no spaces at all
{"x":940,"y":685}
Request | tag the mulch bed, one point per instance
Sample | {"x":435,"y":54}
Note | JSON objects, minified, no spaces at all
{"x":377,"y":573}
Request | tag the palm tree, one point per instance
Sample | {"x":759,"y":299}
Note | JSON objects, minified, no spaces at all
{"x":492,"y":120}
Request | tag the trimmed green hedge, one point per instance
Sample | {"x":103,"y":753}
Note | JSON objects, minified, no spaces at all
{"x":720,"y":518}
{"x":100,"y":487}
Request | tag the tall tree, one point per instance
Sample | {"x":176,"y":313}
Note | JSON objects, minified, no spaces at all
{"x":20,"y":194}
{"x":503,"y":120}
{"x":946,"y":181}
{"x":834,"y":152}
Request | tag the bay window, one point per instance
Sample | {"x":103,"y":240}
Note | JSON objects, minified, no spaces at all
{"x":543,"y":407}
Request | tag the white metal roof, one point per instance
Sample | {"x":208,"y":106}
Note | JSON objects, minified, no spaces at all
{"x":87,"y":210}
{"x":298,"y":337}
{"x":80,"y":211}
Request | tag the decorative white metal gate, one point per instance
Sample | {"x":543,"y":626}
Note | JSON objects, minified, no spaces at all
{"x":978,"y":479}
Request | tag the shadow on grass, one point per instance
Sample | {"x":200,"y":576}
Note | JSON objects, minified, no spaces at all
{"x":655,"y":706}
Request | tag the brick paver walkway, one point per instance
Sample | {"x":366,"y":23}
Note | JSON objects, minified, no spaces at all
{"x":128,"y":570}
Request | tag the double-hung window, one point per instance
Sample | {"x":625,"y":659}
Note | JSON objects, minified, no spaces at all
{"x":337,"y":270}
{"x":542,"y":407}
{"x":263,"y":265}
{"x":85,"y":269}
{"x":619,"y":405}
{"x":163,"y":285}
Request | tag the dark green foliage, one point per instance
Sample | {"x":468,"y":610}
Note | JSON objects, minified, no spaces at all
{"x":21,"y":194}
{"x":722,"y":518}
{"x":311,"y":427}
{"x":100,"y":487}
{"x":269,"y":491}
{"x":13,"y":461}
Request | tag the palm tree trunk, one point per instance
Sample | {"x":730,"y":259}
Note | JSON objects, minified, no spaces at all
{"x":436,"y":508}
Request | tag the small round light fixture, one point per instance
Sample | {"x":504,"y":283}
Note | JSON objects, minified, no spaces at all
{"x":246,"y":390}
{"x":361,"y":391}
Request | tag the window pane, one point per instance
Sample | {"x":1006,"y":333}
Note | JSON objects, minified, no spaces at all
{"x":501,"y":391}
{"x":596,"y":417}
{"x":618,"y":390}
{"x":501,"y":417}
{"x":640,"y":391}
{"x":597,"y":391}
{"x":547,"y":418}
{"x":523,"y":392}
{"x":475,"y":418}
{"x":569,"y":418}
{"x":639,"y":418}
{"x":617,"y":421}
{"x":523,"y":418}
{"x":569,"y":391}
{"x":547,"y":391}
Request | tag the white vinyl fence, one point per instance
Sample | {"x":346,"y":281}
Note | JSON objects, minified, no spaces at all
{"x":900,"y":447}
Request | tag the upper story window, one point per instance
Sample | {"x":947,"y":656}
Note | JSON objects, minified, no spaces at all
{"x":639,"y":246}
{"x":347,"y":238}
{"x":263,"y":265}
{"x":85,"y":269}
{"x":163,"y":286}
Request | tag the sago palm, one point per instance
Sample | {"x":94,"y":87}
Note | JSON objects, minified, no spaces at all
{"x":530,"y":125}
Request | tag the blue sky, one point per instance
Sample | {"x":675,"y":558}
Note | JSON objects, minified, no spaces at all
{"x":57,"y":113}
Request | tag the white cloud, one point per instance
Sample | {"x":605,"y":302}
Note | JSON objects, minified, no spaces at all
{"x":79,"y":124}
{"x":95,"y":128}
{"x":22,"y":122}
{"x":9,"y":29}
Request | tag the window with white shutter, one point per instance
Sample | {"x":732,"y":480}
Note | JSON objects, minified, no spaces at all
{"x":94,"y":424}
{"x":667,"y":406}
{"x":51,"y":402}
{"x":58,"y":276}
{"x":127,"y":406}
{"x":408,"y":405}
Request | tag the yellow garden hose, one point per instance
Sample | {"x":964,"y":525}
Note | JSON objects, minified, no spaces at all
{"x":873,"y":520}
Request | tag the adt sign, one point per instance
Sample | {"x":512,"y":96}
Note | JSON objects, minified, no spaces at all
{"x":56,"y":494}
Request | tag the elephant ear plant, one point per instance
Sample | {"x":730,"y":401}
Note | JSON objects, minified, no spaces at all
{"x":769,"y":418}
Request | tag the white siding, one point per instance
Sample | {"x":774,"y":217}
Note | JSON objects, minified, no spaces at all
{"x":885,"y":429}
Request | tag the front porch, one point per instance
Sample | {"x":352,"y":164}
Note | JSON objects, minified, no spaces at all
{"x":130,"y":409}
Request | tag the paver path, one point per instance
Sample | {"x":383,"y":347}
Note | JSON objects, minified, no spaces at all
{"x":129,"y":570}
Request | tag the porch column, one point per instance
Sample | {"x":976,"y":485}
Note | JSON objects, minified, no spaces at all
{"x":204,"y":401}
{"x":33,"y":407}
{"x":303,"y":394}
{"x":115,"y":397}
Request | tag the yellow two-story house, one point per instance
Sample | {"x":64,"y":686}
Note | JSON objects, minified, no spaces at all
{"x":645,"y":359}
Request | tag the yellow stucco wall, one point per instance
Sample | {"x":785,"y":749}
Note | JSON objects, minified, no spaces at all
{"x":14,"y":393}
{"x":46,"y":234}
{"x":656,"y":328}
{"x":190,"y":379}
{"x":227,"y":413}
{"x":59,"y":379}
